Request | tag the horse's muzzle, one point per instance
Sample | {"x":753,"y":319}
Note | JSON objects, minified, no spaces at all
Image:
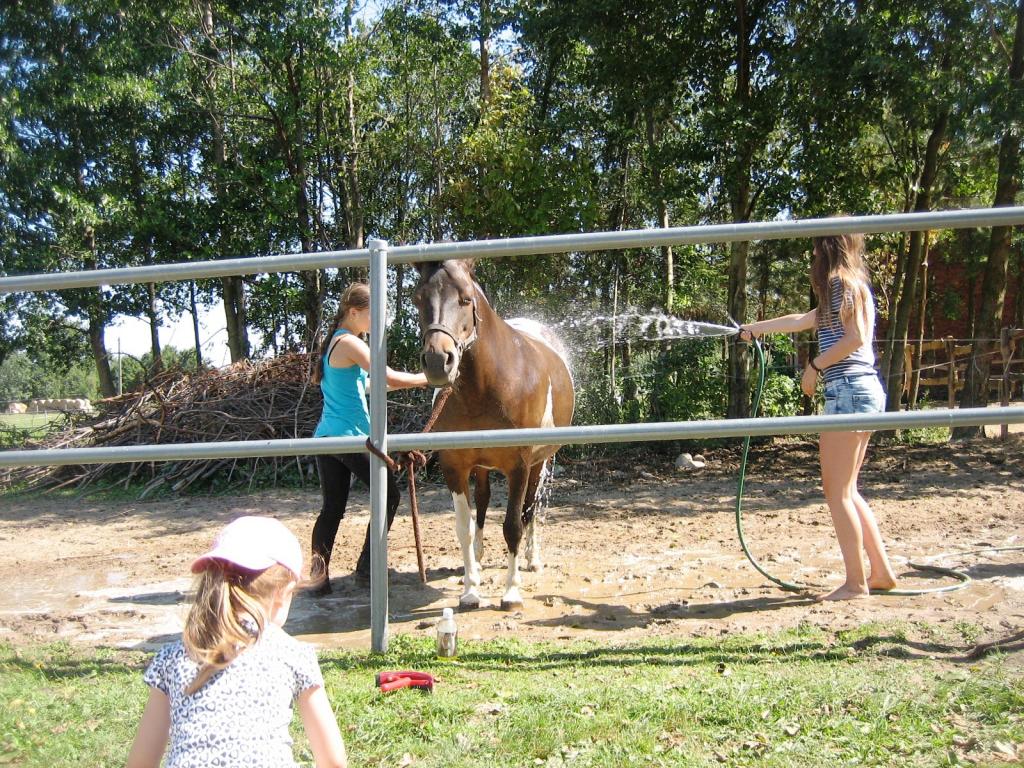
{"x":440,"y":368}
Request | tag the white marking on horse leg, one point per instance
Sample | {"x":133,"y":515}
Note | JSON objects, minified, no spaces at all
{"x":548,"y":420}
{"x":512,"y":599}
{"x":478,"y":543}
{"x":531,"y":535}
{"x":464,"y":525}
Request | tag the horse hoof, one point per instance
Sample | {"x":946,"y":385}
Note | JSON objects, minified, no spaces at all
{"x":471,"y":602}
{"x":537,"y":567}
{"x":511,"y":605}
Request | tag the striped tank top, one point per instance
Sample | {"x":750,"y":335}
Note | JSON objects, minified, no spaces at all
{"x":861,"y":361}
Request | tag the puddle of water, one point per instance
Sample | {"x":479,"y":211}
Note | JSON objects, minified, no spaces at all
{"x":56,"y":591}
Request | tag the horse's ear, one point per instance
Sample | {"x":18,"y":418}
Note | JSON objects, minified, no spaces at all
{"x":470,"y":264}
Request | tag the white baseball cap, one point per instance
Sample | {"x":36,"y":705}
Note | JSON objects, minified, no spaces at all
{"x":255,"y":544}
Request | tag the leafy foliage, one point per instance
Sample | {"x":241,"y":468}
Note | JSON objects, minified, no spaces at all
{"x":133,"y":135}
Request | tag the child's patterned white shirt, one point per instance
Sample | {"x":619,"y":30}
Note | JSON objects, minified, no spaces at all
{"x":240,"y":717}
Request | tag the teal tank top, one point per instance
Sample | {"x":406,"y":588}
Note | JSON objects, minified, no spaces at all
{"x":345,"y":412}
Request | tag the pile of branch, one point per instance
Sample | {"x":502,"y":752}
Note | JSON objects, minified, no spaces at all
{"x":250,"y":400}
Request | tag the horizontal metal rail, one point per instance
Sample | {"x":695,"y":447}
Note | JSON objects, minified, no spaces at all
{"x":523,"y":246}
{"x":379,"y":255}
{"x":613,"y":433}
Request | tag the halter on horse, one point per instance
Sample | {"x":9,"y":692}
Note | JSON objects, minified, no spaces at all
{"x":502,"y":377}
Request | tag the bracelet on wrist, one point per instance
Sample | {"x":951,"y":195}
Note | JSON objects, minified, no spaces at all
{"x":811,"y":363}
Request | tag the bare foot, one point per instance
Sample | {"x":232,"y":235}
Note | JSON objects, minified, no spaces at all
{"x":843,"y":593}
{"x":881,"y":583}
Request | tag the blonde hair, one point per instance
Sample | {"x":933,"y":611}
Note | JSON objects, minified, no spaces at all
{"x":224,"y":595}
{"x":356,"y":296}
{"x":842,"y":257}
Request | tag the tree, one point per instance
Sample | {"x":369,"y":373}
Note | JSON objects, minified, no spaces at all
{"x":1007,"y":101}
{"x":77,"y":100}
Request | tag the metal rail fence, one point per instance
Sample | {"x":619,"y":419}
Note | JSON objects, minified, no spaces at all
{"x":378,"y":255}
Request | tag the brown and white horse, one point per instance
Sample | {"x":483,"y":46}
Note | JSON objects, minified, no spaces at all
{"x":503,"y":375}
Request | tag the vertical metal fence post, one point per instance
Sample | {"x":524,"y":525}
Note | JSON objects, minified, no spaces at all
{"x":379,"y":436}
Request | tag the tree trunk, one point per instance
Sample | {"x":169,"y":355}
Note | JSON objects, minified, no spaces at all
{"x":97,"y":321}
{"x":764,"y":276}
{"x":194,"y":309}
{"x":154,"y":329}
{"x":353,"y":199}
{"x":292,"y":144}
{"x":232,"y":286}
{"x":1018,"y":311}
{"x":739,"y":357}
{"x":899,"y":268}
{"x":399,"y":293}
{"x":312,"y":279}
{"x":437,"y":168}
{"x":899,"y":325}
{"x":234,"y":315}
{"x":993,"y":284}
{"x":971,"y":289}
{"x":98,"y":345}
{"x":484,"y":40}
{"x":915,"y":383}
{"x":661,"y":204}
{"x":233,"y":290}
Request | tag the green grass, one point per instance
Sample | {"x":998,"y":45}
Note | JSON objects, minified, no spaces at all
{"x":925,"y":436}
{"x":28,"y":422}
{"x":17,"y":428}
{"x":798,"y":698}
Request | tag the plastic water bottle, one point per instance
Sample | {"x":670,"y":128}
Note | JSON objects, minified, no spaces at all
{"x":447,"y":635}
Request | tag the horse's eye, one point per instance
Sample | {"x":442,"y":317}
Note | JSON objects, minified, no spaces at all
{"x":465,"y":301}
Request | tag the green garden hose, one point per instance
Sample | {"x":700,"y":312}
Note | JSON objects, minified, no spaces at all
{"x":962,"y":578}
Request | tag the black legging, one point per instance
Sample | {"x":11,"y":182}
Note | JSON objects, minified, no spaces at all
{"x":335,"y":479}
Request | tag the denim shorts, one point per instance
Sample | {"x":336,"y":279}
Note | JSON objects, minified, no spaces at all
{"x":854,"y":394}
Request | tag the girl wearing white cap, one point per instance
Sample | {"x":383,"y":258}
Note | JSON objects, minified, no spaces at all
{"x":223,"y":694}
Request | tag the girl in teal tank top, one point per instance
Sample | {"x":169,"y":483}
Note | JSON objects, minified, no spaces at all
{"x":344,"y":389}
{"x":342,"y":376}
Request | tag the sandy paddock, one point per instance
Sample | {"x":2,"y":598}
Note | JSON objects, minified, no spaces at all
{"x":633,"y":547}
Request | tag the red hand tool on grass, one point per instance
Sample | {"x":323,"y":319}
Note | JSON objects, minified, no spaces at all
{"x":392,"y":681}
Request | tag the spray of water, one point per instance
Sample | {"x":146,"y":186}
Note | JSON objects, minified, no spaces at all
{"x":543,"y":498}
{"x":579,"y":332}
{"x":632,"y":325}
{"x":644,"y":326}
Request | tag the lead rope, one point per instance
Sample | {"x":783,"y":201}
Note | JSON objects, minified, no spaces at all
{"x":412,"y":461}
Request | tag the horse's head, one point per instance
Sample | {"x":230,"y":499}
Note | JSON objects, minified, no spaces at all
{"x":446,"y":298}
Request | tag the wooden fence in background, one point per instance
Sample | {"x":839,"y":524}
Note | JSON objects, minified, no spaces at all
{"x":942,"y":363}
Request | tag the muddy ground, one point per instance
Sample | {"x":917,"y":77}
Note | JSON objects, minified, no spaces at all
{"x":633,"y":548}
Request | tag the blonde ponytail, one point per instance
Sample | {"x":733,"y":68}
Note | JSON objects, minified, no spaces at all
{"x":215,"y":631}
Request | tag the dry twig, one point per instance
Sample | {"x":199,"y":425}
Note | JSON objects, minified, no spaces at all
{"x":249,"y":400}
